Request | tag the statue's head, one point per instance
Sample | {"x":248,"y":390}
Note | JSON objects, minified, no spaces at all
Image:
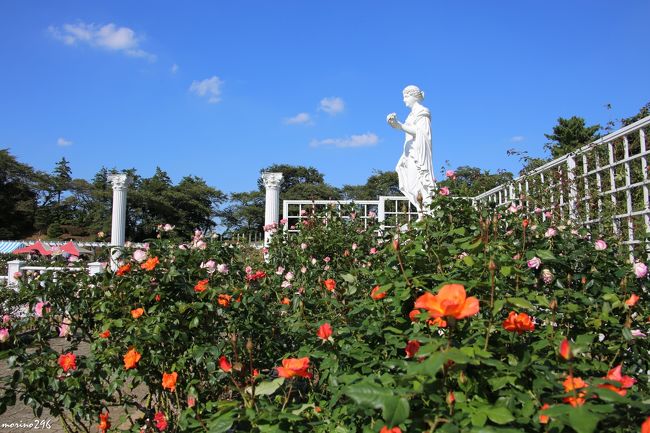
{"x":413,"y":91}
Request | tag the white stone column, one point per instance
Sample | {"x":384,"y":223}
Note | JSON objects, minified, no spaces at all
{"x":272,"y":182}
{"x":120,"y":184}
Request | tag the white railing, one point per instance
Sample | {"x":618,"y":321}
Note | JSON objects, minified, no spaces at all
{"x":603,"y":185}
{"x":389,"y":211}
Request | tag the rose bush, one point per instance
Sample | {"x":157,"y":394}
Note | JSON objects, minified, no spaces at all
{"x":445,"y":327}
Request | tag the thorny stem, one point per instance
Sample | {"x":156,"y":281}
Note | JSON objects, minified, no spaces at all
{"x":286,"y":400}
{"x":492,"y":285}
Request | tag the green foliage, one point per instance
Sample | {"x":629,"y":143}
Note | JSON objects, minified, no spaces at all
{"x":470,"y":375}
{"x":569,"y":135}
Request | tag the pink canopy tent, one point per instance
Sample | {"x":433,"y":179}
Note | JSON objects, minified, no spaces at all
{"x":37,"y":247}
{"x":73,"y":249}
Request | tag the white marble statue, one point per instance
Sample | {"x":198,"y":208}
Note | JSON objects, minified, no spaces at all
{"x":415,"y":168}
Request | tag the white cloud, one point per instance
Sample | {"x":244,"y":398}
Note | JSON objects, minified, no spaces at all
{"x":517,"y":139}
{"x":63,"y":142}
{"x":209,"y":88}
{"x":332,"y":106}
{"x":174,"y":68}
{"x":361,"y":140}
{"x":109,"y":37}
{"x":300,"y":118}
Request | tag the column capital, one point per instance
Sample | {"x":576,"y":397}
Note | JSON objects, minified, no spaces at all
{"x":272,"y":180}
{"x":120,"y":181}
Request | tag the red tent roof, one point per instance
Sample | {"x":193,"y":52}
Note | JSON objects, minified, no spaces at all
{"x":38,"y":247}
{"x":73,"y":249}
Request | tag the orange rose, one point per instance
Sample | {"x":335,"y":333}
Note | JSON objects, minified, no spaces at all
{"x":624,"y":382}
{"x":330,"y":284}
{"x":131,"y":358}
{"x":285,"y":301}
{"x":137,"y":312}
{"x":324,"y":332}
{"x":645,"y":427}
{"x":438,"y":321}
{"x":543,"y":419}
{"x":451,"y":301}
{"x":518,"y":322}
{"x":632,"y":300}
{"x":377,"y":294}
{"x":150,"y":264}
{"x":565,"y":350}
{"x":292,"y":367}
{"x":224,"y":300}
{"x":169,"y":381}
{"x":570,"y":385}
{"x":201,"y":286}
{"x":123,"y":269}
{"x":385,"y":429}
{"x":68,"y":361}
{"x":104,"y":424}
{"x":105,"y":334}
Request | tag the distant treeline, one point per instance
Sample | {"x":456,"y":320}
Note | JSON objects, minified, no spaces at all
{"x":57,"y":206}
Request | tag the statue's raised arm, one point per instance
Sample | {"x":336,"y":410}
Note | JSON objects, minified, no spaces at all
{"x":415,"y":167}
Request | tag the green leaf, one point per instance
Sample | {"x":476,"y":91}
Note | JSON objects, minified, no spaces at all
{"x":395,"y":410}
{"x":478,"y":419}
{"x":266,"y":388}
{"x":499,"y":382}
{"x":221,"y":423}
{"x":545,"y":255}
{"x":367,"y":394}
{"x":627,"y":334}
{"x":348,"y":278}
{"x":468,"y":260}
{"x":582,"y":420}
{"x":499,"y":415}
{"x":506,"y":270}
{"x":521,"y":303}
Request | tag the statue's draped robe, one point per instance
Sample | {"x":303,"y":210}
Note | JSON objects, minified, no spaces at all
{"x":415,"y":168}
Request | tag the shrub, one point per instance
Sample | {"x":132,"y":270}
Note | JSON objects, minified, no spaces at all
{"x":454,"y":325}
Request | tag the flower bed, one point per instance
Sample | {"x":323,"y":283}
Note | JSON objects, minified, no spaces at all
{"x":472,"y":320}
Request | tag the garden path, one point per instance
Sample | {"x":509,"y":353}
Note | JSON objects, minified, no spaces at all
{"x":20,"y":418}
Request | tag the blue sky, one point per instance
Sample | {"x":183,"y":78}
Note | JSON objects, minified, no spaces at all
{"x":222,"y":89}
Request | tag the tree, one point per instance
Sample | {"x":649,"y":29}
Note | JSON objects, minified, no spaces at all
{"x":643,"y":112}
{"x":380,"y":183}
{"x":62,"y":177}
{"x":569,"y":135}
{"x":472,"y":181}
{"x":19,"y":191}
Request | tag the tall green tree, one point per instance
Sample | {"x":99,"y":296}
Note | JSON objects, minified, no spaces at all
{"x":19,"y":192}
{"x":569,"y":135}
{"x":62,"y":177}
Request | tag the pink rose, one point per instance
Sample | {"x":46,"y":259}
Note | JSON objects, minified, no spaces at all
{"x":280,"y":270}
{"x":450,"y":174}
{"x":373,"y":250}
{"x":640,"y":269}
{"x":354,"y":247}
{"x":283,"y":221}
{"x":168,"y":227}
{"x":289,"y":276}
{"x":6,"y":318}
{"x":538,"y":210}
{"x":64,"y":329}
{"x":551,"y":232}
{"x":600,"y":245}
{"x":18,"y":274}
{"x":327,"y":259}
{"x":444,"y":191}
{"x":139,"y":255}
{"x":303,"y":270}
{"x":38,"y":309}
{"x":210,"y":265}
{"x":4,"y":335}
{"x":535,"y":262}
{"x":285,"y":284}
{"x":548,"y":214}
{"x":303,"y":246}
{"x":222,"y":268}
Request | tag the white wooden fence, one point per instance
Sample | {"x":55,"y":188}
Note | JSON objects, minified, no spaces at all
{"x":603,"y":185}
